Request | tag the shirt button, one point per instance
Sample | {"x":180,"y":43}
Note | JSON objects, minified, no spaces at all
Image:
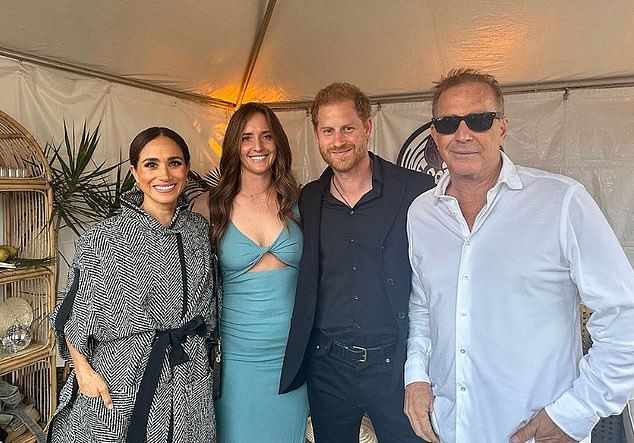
{"x":465,"y":277}
{"x":387,"y":360}
{"x":463,"y":389}
{"x":351,"y":240}
{"x":462,"y":351}
{"x":454,"y":214}
{"x":390,"y":281}
{"x":351,"y":211}
{"x":356,"y":297}
{"x":401,"y":315}
{"x":354,"y":268}
{"x":463,"y":313}
{"x":467,"y":243}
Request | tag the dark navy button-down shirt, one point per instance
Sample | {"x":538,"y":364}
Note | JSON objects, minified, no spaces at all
{"x":352,"y":302}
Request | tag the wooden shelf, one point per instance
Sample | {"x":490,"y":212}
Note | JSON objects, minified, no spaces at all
{"x":23,"y":184}
{"x":27,"y":437}
{"x":9,"y":362}
{"x":25,"y":211}
{"x":21,"y":273}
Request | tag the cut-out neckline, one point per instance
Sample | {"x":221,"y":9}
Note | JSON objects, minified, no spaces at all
{"x":250,"y":270}
{"x":279,"y":234}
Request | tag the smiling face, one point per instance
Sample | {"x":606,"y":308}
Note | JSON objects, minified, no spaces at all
{"x":160,"y":173}
{"x":257,"y":146}
{"x":471,"y":157}
{"x":342,"y":136}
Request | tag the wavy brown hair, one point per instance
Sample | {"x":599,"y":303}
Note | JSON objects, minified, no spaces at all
{"x":341,"y":92}
{"x":286,"y":187}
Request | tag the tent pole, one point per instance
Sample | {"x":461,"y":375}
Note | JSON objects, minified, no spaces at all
{"x":255,"y":50}
{"x":513,"y":89}
{"x":422,"y":96}
{"x":67,"y":67}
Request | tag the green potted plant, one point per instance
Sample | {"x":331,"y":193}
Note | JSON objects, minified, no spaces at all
{"x":83,"y":192}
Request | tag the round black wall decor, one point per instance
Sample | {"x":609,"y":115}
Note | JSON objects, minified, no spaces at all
{"x":419,"y":153}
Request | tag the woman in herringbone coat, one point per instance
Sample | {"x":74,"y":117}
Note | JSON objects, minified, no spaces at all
{"x":137,"y":312}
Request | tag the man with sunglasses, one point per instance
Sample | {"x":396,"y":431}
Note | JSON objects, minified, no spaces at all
{"x":501,"y":257}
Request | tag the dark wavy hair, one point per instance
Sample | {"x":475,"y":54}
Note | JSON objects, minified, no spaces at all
{"x":286,"y":187}
{"x":147,"y":135}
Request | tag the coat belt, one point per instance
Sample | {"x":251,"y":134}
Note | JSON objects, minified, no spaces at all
{"x":177,"y":355}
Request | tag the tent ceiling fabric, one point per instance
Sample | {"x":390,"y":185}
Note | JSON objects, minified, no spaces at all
{"x":386,"y":47}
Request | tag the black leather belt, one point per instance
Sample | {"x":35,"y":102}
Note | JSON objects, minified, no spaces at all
{"x":357,"y":354}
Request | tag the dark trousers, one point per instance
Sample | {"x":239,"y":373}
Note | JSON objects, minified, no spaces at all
{"x":341,"y":391}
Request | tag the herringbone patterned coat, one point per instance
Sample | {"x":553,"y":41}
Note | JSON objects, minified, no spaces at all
{"x":130,"y":284}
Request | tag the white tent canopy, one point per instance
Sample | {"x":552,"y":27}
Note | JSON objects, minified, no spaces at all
{"x":210,"y":49}
{"x":566,"y":66}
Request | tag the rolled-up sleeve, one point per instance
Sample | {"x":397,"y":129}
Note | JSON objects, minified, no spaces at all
{"x":75,"y":319}
{"x":605,"y":282}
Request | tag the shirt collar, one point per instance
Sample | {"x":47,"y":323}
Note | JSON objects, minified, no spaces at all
{"x":508,"y":175}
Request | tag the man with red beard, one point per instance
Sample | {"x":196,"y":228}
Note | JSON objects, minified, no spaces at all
{"x":349,"y":328}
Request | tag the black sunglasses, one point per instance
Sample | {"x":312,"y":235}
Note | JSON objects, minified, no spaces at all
{"x":478,"y":122}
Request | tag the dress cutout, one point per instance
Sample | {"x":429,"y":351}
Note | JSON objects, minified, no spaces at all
{"x":256,"y":314}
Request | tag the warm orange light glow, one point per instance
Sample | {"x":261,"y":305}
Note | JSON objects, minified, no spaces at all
{"x":215,"y":141}
{"x":215,"y":147}
{"x":491,"y":42}
{"x":266,"y":93}
{"x":228,"y":93}
{"x":254,"y":93}
{"x":491,"y":45}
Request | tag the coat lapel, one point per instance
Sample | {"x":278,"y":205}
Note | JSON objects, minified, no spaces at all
{"x":393,"y":192}
{"x":311,"y":220}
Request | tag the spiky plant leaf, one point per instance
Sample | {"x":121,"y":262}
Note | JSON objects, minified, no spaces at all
{"x":83,"y":192}
{"x":199,"y":184}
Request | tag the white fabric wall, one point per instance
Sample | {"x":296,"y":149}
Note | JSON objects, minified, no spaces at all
{"x":41,"y":99}
{"x":588,"y":136}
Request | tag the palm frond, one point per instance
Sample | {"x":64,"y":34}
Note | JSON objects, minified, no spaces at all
{"x":213,"y":177}
{"x":198,"y":184}
{"x":83,"y":191}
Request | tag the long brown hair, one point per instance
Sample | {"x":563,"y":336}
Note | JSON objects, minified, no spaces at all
{"x":283,"y":182}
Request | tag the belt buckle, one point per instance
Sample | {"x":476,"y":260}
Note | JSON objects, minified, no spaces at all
{"x":364,"y":351}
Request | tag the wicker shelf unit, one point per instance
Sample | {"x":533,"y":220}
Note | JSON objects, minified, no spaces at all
{"x":26,"y":202}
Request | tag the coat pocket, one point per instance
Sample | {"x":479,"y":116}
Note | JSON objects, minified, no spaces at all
{"x":103,"y":424}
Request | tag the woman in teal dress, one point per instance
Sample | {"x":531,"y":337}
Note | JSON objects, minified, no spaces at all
{"x":255,"y":230}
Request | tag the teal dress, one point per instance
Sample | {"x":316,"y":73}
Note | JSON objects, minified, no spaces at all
{"x":256,"y":315}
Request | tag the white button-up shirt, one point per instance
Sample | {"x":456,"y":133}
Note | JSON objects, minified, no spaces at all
{"x":494,"y":312}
